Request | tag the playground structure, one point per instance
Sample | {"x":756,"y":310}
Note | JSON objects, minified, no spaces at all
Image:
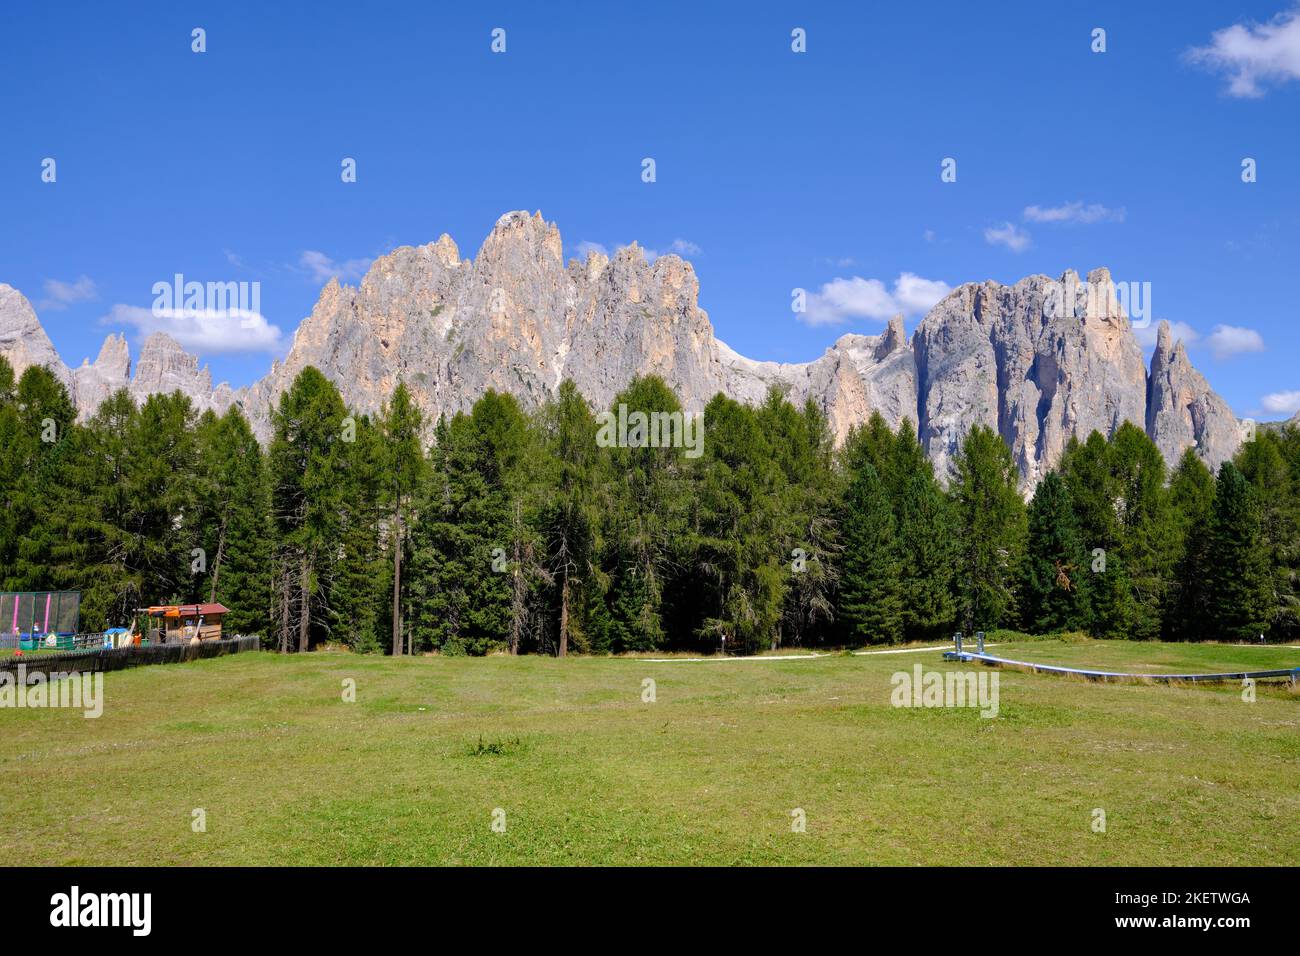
{"x":31,"y":620}
{"x":48,"y":621}
{"x":957,"y":654}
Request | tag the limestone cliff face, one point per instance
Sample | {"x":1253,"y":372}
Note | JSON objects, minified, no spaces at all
{"x":1038,"y":361}
{"x":92,"y":383}
{"x":515,"y":318}
{"x":163,"y":365}
{"x":22,"y":338}
{"x":1182,"y":411}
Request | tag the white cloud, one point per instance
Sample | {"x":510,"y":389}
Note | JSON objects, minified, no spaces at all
{"x":586,"y":248}
{"x":1074,"y":212}
{"x":1254,"y":55}
{"x":684,"y":247}
{"x":1009,"y":235}
{"x":1229,"y":340}
{"x":206,"y":331}
{"x":1146,"y":335}
{"x":842,"y":299}
{"x":1281,"y":403}
{"x":915,"y":295}
{"x":59,"y":295}
{"x":322,"y":268}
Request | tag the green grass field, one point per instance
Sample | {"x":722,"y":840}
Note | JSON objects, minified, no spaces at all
{"x":586,"y":772}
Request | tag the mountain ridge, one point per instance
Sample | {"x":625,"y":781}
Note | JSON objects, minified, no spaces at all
{"x":1038,"y":361}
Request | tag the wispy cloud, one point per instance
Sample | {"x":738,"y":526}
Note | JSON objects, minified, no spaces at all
{"x":322,"y":268}
{"x":1009,"y":235}
{"x":1077,"y":212}
{"x":856,"y":298}
{"x":1229,"y":340}
{"x":1281,"y":403}
{"x":684,"y":247}
{"x":59,"y":295}
{"x":205,"y":331}
{"x":1254,"y":55}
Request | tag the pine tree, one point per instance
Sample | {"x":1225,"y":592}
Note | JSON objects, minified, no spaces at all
{"x":645,"y":505}
{"x":927,"y":535}
{"x":991,"y":531}
{"x":1191,"y":497}
{"x":741,"y":574}
{"x":475,"y":566}
{"x":1056,"y":583}
{"x":404,"y":463}
{"x":230,"y":521}
{"x":40,"y":446}
{"x":357,"y":580}
{"x":1263,"y":463}
{"x":1146,"y":526}
{"x":305,"y":458}
{"x":810,"y":539}
{"x":569,"y":518}
{"x":1237,"y":563}
{"x":870,"y":596}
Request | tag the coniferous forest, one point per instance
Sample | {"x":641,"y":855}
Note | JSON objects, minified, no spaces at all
{"x":518,"y":531}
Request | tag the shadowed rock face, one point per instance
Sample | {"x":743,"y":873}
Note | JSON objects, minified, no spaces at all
{"x":1038,"y":361}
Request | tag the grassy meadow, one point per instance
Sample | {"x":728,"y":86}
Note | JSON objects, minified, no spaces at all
{"x":586,"y":772}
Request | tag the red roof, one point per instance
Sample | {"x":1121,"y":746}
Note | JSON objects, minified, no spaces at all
{"x":188,"y":610}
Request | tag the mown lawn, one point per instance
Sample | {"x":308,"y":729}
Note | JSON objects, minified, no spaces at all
{"x":586,"y":772}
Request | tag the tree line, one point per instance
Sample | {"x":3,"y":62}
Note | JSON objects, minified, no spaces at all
{"x":518,"y":531}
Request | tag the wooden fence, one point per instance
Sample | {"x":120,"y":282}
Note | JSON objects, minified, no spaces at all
{"x":117,"y":658}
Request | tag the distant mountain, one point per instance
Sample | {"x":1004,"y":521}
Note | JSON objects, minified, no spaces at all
{"x":1038,"y":361}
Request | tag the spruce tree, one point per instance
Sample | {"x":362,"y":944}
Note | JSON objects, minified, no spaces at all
{"x":928,"y":541}
{"x":1191,"y":496}
{"x":1237,"y":570}
{"x":991,"y":531}
{"x":741,"y":574}
{"x":870,"y":596}
{"x":1056,"y":582}
{"x":1263,"y":463}
{"x":403,"y":462}
{"x":305,"y":459}
{"x":569,"y":517}
{"x":644,"y":504}
{"x":475,"y":561}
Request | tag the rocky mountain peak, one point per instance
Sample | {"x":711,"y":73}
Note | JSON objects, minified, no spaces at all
{"x":893,"y":338}
{"x":1038,"y":361}
{"x":114,"y":360}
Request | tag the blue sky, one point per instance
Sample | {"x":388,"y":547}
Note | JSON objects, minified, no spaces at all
{"x":774,"y":169}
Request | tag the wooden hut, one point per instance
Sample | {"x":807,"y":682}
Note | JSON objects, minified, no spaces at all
{"x":181,"y":623}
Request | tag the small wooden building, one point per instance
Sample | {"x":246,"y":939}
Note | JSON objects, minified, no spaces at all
{"x":181,"y":623}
